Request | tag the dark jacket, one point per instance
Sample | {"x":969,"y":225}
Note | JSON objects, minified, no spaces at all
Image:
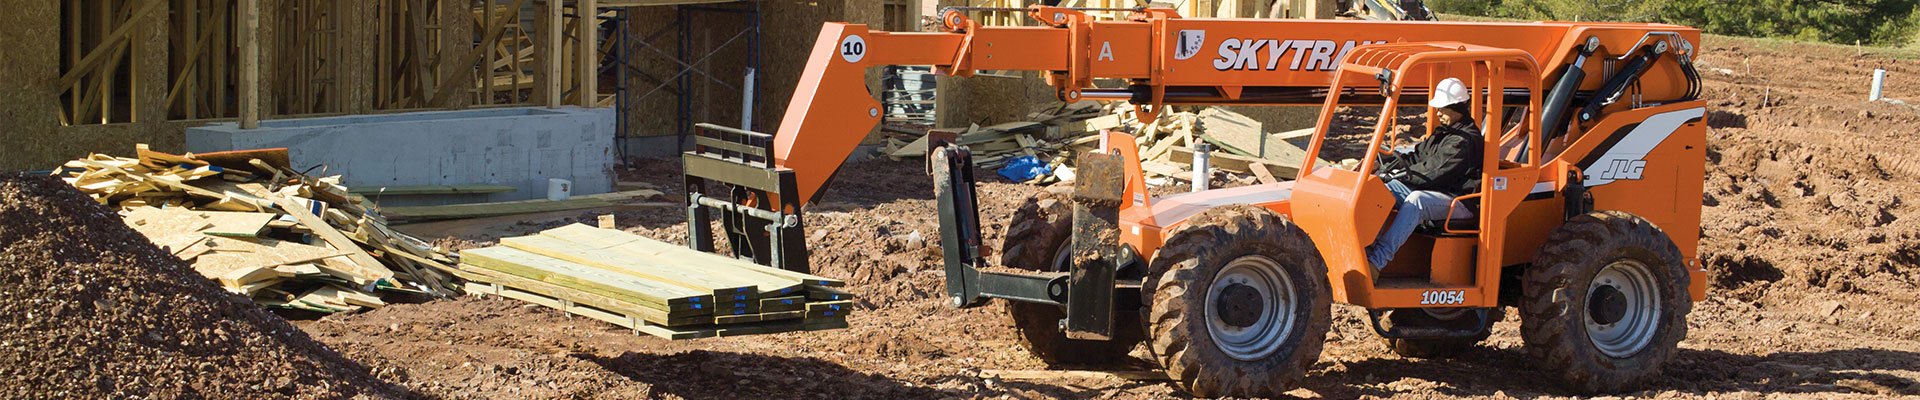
{"x":1448,"y":162}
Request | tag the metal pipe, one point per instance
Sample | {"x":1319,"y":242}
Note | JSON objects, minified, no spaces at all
{"x":1106,"y":94}
{"x":1202,"y":171}
{"x":733,"y":130}
{"x":1879,"y":81}
{"x":746,"y":101}
{"x":728,"y":206}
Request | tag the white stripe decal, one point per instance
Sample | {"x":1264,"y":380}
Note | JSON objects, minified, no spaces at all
{"x":1635,"y":146}
{"x":1542,"y":187}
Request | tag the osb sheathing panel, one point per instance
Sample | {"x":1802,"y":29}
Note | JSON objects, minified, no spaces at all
{"x":655,"y":107}
{"x":28,"y":110}
{"x":788,"y":30}
{"x":456,"y":40}
{"x":989,"y":100}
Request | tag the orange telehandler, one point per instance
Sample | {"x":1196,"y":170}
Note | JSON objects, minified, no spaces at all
{"x":1586,"y":219}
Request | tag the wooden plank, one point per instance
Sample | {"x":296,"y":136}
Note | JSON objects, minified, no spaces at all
{"x":1262,"y":173}
{"x":417,"y":190}
{"x":759,"y":317}
{"x":1236,"y":163}
{"x":478,"y":210}
{"x":269,"y":252}
{"x":587,"y":43}
{"x":768,"y":280}
{"x":778,"y":304}
{"x":238,"y":224}
{"x":622,"y":287}
{"x":815,"y":292}
{"x":760,"y":328}
{"x":829,"y":309}
{"x":551,"y":51}
{"x":249,"y":34}
{"x":661,"y":270}
{"x":489,"y":282}
{"x":1233,"y":132}
{"x":366,"y":271}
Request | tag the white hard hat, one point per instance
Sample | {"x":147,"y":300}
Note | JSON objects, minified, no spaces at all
{"x":1447,"y":93}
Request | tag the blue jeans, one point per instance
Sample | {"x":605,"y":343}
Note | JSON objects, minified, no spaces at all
{"x":1416,"y":206}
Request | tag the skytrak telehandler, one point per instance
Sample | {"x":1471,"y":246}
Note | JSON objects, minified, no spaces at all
{"x":1586,"y":220}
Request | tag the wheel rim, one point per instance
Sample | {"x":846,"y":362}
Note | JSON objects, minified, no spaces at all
{"x":1250,"y":308}
{"x":1623,"y":308}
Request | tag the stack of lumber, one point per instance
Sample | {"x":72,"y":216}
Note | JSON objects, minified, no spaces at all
{"x":1240,"y":144}
{"x":262,"y":230}
{"x":653,"y":287}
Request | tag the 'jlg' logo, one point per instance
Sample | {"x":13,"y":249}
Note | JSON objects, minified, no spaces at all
{"x":1308,"y":55}
{"x":1624,"y":170}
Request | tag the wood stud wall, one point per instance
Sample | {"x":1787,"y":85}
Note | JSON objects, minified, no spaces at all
{"x":319,"y":57}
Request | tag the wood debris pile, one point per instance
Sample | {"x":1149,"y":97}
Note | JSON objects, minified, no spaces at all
{"x":1238,"y":143}
{"x":247,"y":221}
{"x":653,"y":287}
{"x":1042,"y":135}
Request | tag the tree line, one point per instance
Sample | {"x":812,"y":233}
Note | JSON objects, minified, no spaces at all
{"x":1876,"y":22}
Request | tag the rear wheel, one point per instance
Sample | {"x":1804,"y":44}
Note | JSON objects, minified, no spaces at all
{"x":1039,"y":241}
{"x":1453,"y":318}
{"x":1239,"y":304}
{"x":1606,"y":302}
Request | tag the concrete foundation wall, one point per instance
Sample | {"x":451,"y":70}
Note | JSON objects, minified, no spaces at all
{"x":519,"y":147}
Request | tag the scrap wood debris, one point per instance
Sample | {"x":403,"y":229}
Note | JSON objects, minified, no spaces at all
{"x":1238,"y":143}
{"x":247,"y":221}
{"x":652,"y":287}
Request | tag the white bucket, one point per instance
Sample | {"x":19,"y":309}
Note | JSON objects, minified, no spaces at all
{"x":559,"y":189}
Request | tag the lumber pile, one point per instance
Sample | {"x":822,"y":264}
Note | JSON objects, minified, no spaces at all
{"x":1241,"y":145}
{"x":260,"y":229}
{"x":653,"y":287}
{"x":1039,"y":136}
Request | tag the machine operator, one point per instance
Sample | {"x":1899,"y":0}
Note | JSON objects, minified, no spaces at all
{"x":1426,"y":180}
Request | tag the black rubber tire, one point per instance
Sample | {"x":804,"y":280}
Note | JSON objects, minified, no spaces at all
{"x":1554,"y":309}
{"x":1438,"y":348}
{"x":1042,"y":229}
{"x":1185,"y":268}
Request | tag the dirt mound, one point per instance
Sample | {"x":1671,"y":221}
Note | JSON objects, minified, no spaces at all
{"x":91,"y":309}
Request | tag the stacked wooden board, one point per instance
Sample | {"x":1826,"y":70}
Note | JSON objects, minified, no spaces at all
{"x":260,"y":229}
{"x":653,"y":287}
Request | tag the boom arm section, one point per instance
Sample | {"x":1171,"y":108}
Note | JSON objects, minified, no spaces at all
{"x":1163,"y":60}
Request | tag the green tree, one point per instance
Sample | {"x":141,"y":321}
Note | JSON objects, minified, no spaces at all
{"x":1879,"y":22}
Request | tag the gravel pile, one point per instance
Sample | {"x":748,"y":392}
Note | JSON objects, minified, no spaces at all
{"x":91,"y":309}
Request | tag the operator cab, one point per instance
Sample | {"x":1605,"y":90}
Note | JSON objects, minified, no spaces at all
{"x":1345,"y":205}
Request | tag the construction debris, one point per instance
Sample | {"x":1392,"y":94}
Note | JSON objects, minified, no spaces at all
{"x":652,"y":287}
{"x":993,"y":145}
{"x":1241,"y":144}
{"x":246,"y":221}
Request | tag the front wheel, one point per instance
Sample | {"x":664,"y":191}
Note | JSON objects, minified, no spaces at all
{"x":1239,"y":304}
{"x":1040,"y":241}
{"x":1606,"y":302}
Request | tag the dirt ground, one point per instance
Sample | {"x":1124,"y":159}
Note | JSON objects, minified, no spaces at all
{"x":1809,"y":238}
